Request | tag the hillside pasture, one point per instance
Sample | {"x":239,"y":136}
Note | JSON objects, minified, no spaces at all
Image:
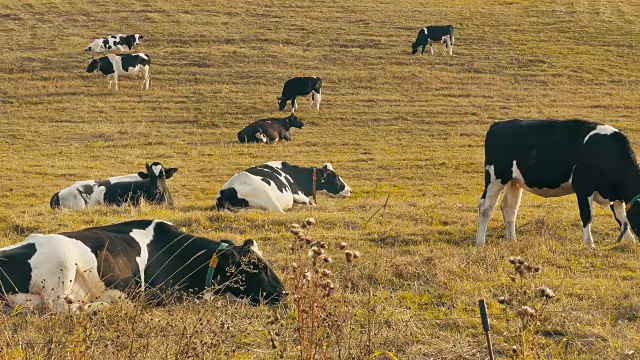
{"x":399,"y":127}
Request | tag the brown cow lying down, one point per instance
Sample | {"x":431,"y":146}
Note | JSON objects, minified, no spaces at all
{"x":269,"y":130}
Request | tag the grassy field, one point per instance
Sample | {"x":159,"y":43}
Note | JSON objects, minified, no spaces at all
{"x":392,"y":124}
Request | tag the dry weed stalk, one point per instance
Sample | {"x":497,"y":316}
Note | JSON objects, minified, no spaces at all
{"x":528,"y":301}
{"x":317,"y":300}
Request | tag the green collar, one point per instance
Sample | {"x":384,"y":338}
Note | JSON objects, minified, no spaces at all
{"x":213,"y":263}
{"x":633,"y":201}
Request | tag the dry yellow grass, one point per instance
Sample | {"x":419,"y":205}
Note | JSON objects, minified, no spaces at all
{"x":390,"y":123}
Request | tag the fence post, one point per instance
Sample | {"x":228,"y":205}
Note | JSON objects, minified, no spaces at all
{"x":485,"y":326}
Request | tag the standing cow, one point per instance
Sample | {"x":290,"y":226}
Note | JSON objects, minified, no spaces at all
{"x":269,"y":130}
{"x":555,"y":158}
{"x":113,"y":66}
{"x":429,"y":34}
{"x":115,"y":42}
{"x":301,"y":86}
{"x":277,"y":185}
{"x":87,"y":269}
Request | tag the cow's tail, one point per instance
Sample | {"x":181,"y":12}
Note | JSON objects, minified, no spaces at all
{"x":55,"y":201}
{"x":222,"y":201}
{"x":451,"y":34}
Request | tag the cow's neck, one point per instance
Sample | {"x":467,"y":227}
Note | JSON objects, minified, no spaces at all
{"x":195,"y":254}
{"x":303,"y":178}
{"x":631,"y":187}
{"x":284,"y":123}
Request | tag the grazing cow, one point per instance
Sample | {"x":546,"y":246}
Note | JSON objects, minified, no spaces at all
{"x":87,"y":269}
{"x":90,"y":193}
{"x":114,"y":66}
{"x":269,"y":130}
{"x":429,"y":34}
{"x":277,"y":185}
{"x":115,"y":42}
{"x":300,"y":86}
{"x":555,"y":158}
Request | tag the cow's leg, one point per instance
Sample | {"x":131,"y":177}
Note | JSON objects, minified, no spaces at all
{"x":262,"y":137}
{"x":431,"y":46}
{"x":115,"y":80}
{"x":451,"y":46}
{"x":621,"y":217}
{"x":585,"y":204}
{"x":108,"y":297}
{"x":423,"y":47}
{"x":311,"y":100}
{"x":56,"y":286}
{"x":509,"y":207}
{"x":301,"y":198}
{"x":97,"y":197}
{"x":147,"y":82}
{"x":487,"y":202}
{"x":294,"y":104}
{"x":110,"y":79}
{"x":318,"y":98}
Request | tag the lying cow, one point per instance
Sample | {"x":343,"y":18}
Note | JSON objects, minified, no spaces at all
{"x":277,"y":185}
{"x":300,"y":86}
{"x":429,"y":34}
{"x":113,"y":66}
{"x":86,"y":269}
{"x":115,"y":42}
{"x":269,"y":130}
{"x":117,"y":190}
{"x":555,"y":158}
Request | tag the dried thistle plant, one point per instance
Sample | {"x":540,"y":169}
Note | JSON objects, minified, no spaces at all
{"x":528,"y":302}
{"x":313,"y":280}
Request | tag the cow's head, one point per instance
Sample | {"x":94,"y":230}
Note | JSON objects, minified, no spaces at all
{"x":93,"y":65}
{"x":168,"y":172}
{"x":157,"y":176}
{"x":414,"y":48}
{"x":328,"y":182}
{"x":633,"y":215}
{"x":138,"y":37}
{"x":282,"y":103}
{"x":293,"y":121}
{"x":244,"y":274}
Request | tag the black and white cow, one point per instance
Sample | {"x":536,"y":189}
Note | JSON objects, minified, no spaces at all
{"x":87,"y":269}
{"x":555,"y":158}
{"x":301,"y":86}
{"x":120,"y":42}
{"x":117,"y":190}
{"x":429,"y":34}
{"x":113,"y":66}
{"x":277,"y":185}
{"x":269,"y":130}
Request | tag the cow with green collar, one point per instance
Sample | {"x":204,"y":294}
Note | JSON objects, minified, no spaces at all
{"x":73,"y":271}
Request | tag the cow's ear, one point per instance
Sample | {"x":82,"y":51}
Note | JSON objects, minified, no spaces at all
{"x":228,"y":242}
{"x":169,"y":172}
{"x":328,"y":166}
{"x":143,"y":175}
{"x":251,"y":244}
{"x":279,"y":98}
{"x":321,"y":173}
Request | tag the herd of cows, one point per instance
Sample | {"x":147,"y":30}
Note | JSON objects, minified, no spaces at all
{"x":90,"y":268}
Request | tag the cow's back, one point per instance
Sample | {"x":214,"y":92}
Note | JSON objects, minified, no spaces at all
{"x":540,"y":148}
{"x":262,"y":187}
{"x":115,"y":251}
